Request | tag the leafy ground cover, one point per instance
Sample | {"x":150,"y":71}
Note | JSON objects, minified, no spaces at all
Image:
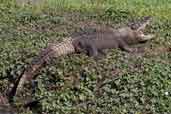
{"x":120,"y":83}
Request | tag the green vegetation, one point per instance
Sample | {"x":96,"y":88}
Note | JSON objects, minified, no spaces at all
{"x":120,"y":83}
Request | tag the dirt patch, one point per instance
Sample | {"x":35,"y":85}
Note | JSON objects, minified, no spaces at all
{"x":157,"y":51}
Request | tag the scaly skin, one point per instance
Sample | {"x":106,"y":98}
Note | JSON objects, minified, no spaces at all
{"x":92,"y":43}
{"x":53,"y":50}
{"x":5,"y":107}
{"x":122,"y":38}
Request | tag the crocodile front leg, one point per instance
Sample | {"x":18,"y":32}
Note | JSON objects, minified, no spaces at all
{"x":124,"y":46}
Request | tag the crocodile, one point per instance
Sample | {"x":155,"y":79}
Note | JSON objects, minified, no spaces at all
{"x":92,"y":44}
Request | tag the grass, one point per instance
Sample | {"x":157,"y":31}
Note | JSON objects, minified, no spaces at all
{"x":119,"y":83}
{"x":155,"y":7}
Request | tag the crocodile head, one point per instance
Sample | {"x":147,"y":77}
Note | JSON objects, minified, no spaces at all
{"x":139,"y":29}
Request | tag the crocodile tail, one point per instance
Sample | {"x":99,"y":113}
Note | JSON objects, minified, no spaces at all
{"x":53,"y":50}
{"x":3,"y":100}
{"x":5,"y":107}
